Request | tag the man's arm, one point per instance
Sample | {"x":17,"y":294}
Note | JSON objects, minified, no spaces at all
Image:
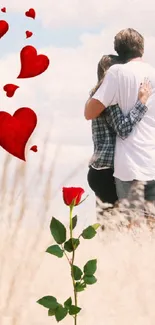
{"x":93,"y":109}
{"x":123,"y":125}
{"x":104,"y":96}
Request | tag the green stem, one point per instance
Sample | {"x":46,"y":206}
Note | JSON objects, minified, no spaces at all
{"x":72,"y":263}
{"x":65,"y":254}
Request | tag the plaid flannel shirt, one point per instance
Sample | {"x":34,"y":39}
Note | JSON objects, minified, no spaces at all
{"x":110,"y":123}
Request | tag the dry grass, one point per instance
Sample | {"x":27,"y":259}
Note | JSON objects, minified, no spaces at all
{"x":20,"y":246}
{"x":124,"y":293}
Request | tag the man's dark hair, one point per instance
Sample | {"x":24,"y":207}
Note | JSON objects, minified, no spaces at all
{"x":129,"y":44}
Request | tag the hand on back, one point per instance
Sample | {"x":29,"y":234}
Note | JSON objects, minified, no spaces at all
{"x":145,"y":91}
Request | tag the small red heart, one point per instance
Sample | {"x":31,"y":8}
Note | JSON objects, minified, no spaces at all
{"x":30,"y":13}
{"x":34,"y":148}
{"x":3,"y":9}
{"x":10,"y":89}
{"x":28,"y":34}
{"x":16,"y":130}
{"x":32,"y":64}
{"x":4,"y":27}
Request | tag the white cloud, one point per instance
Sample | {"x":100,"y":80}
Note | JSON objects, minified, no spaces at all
{"x":89,"y":13}
{"x":58,"y":96}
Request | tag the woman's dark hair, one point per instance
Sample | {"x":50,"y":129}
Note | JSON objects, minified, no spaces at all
{"x":104,"y":64}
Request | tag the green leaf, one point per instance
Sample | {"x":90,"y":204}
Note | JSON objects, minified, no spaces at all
{"x":77,"y":272}
{"x":60,"y":313}
{"x":80,"y":286}
{"x":68,"y":245}
{"x":73,"y":310}
{"x":74,"y":221}
{"x":83,"y":200}
{"x":55,"y":250}
{"x":90,"y":267}
{"x":89,"y":279}
{"x":68,"y":303}
{"x":51,"y":312}
{"x":96,"y":226}
{"x":88,"y":233}
{"x":48,"y":302}
{"x":58,"y":231}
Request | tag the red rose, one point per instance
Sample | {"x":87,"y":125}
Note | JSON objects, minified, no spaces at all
{"x":72,"y":193}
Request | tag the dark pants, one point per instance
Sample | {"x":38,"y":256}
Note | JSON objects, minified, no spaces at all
{"x":124,"y":189}
{"x":102,"y":183}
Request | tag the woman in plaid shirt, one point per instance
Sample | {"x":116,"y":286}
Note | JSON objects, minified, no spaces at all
{"x":110,"y":123}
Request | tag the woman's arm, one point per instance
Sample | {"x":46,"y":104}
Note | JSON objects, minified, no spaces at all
{"x":123,"y":125}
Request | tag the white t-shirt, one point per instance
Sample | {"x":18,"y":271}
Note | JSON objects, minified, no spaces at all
{"x":134,"y":156}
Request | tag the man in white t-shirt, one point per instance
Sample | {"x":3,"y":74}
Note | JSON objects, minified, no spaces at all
{"x":134,"y":156}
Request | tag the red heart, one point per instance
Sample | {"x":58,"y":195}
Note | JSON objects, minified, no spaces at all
{"x":4,"y":26}
{"x":10,"y":89}
{"x":30,"y":13}
{"x":32,"y":64}
{"x":34,"y":148}
{"x":15,"y":130}
{"x":3,"y":9}
{"x":28,"y":34}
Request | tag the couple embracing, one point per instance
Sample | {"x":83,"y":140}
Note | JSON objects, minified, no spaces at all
{"x":122,"y":110}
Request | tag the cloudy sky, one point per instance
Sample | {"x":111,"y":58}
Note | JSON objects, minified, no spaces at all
{"x":74,"y":34}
